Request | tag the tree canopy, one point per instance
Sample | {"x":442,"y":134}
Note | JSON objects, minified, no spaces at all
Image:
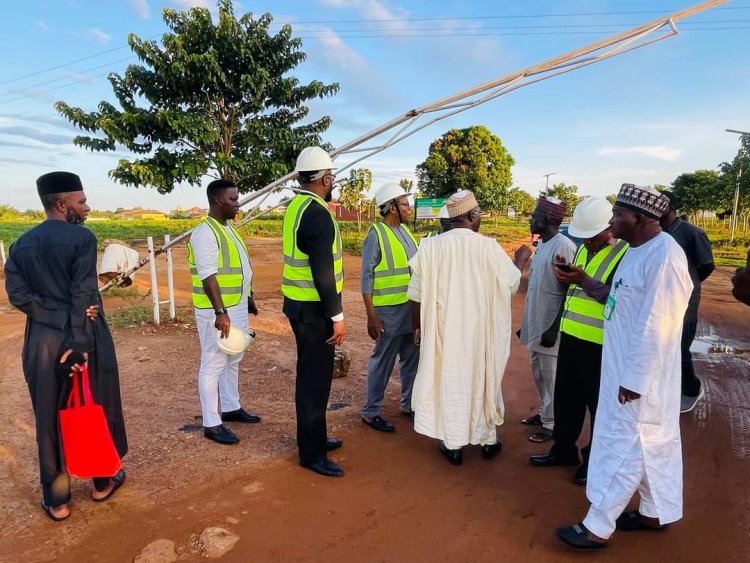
{"x":213,"y":98}
{"x":568,"y":194}
{"x":523,"y":202}
{"x":468,"y":159}
{"x":353,"y":192}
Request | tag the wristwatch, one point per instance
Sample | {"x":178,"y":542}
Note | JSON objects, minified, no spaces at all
{"x":221,"y":311}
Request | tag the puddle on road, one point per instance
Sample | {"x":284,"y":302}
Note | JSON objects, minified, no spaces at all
{"x":723,"y":365}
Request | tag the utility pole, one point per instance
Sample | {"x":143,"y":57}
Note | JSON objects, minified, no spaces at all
{"x":547,"y":176}
{"x":733,"y":223}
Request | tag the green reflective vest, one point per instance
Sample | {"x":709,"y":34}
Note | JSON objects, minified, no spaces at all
{"x":583,"y":316}
{"x":229,"y":275}
{"x":392,"y":273}
{"x":297,"y":279}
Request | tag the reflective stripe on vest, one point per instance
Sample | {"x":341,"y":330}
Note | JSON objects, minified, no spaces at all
{"x":229,"y":275}
{"x":297,"y":279}
{"x":583,"y":316}
{"x":392,"y":273}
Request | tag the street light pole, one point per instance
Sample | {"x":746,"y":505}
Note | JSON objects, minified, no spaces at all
{"x":733,"y":224}
{"x":547,"y":176}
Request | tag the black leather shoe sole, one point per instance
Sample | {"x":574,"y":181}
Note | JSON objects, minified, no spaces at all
{"x":333,"y":444}
{"x":454,"y":456}
{"x":491,"y":450}
{"x":325,"y":468}
{"x":242,"y":416}
{"x":380,"y":424}
{"x":224,"y":437}
{"x":547,"y":460}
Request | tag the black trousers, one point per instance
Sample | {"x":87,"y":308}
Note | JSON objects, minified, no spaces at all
{"x":691,"y":385}
{"x":579,"y":366}
{"x":314,"y":375}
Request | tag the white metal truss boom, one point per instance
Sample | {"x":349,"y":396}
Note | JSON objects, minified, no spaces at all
{"x":416,"y":119}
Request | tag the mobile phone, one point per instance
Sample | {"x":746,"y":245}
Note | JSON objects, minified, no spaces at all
{"x":564,"y":267}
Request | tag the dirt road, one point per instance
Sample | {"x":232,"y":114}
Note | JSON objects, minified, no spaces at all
{"x":399,"y":500}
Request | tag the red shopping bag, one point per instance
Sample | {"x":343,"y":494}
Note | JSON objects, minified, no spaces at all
{"x":87,"y":444}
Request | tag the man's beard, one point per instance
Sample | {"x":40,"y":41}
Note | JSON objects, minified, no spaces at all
{"x":73,"y":218}
{"x":328,"y":197}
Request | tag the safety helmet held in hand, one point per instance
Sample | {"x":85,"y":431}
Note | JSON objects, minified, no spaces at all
{"x":389,"y":192}
{"x":312,"y":159}
{"x":236,"y":342}
{"x":590,"y":217}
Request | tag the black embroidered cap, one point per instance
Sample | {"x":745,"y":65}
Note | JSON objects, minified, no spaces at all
{"x":58,"y":182}
{"x":643,"y":199}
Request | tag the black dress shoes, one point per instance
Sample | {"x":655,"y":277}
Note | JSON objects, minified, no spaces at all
{"x":221,"y":435}
{"x":240,"y":415}
{"x":379,"y":423}
{"x":581,"y":475}
{"x":454,"y":456}
{"x":550,"y":460}
{"x":324,"y":467}
{"x":333,"y":444}
{"x":489,"y":451}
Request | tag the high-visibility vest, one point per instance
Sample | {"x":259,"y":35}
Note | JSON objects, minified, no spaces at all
{"x":583,"y":316}
{"x":392,"y":273}
{"x":297,"y":279}
{"x":229,"y":275}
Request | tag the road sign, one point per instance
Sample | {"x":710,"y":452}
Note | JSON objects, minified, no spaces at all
{"x":428,"y":208}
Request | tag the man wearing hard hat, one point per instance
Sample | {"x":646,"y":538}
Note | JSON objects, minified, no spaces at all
{"x":222,"y":298}
{"x":385,"y":276}
{"x":312,"y":282}
{"x":582,"y":331}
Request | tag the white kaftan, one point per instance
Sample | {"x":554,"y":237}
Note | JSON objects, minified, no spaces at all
{"x":636,"y":446}
{"x":464,"y":282}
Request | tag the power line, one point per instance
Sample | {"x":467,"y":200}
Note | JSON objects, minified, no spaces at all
{"x":448,"y":18}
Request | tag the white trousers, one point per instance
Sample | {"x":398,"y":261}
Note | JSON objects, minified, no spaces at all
{"x":544,"y":368}
{"x":629,"y":478}
{"x":218,"y":377}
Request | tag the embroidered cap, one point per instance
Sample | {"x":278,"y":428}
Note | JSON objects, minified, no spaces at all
{"x":552,"y":207}
{"x":643,"y":199}
{"x":57,"y":183}
{"x":461,"y":203}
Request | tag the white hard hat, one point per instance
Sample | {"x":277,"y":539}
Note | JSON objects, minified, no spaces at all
{"x":313,"y":159}
{"x":389,"y":192}
{"x":443,"y":213}
{"x":590,"y":217}
{"x":236,"y":342}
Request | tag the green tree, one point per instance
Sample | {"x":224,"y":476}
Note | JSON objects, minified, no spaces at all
{"x":568,"y":194}
{"x":353,"y":193}
{"x":739,"y":168}
{"x":521,"y":201}
{"x":702,"y":190}
{"x":612,"y":198}
{"x":468,"y":159}
{"x":214,"y":98}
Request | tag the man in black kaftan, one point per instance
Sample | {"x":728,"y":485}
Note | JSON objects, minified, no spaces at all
{"x":51,"y":277}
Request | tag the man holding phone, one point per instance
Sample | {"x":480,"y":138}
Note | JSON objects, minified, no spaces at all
{"x":540,"y":326}
{"x":582,"y":331}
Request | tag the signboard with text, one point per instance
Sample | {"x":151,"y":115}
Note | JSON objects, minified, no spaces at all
{"x":428,"y":208}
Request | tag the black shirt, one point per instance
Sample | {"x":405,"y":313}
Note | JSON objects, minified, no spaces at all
{"x":315,"y":237}
{"x":697,"y":249}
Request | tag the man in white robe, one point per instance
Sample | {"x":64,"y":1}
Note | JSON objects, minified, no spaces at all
{"x":636,"y":443}
{"x":461,"y":288}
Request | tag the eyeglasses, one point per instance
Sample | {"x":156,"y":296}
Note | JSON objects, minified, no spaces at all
{"x":403,"y":204}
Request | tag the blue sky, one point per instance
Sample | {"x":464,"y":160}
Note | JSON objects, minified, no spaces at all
{"x":642,"y":117}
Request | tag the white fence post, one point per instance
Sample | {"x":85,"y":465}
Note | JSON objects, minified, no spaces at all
{"x":154,"y":281}
{"x":2,"y":252}
{"x":170,"y":279}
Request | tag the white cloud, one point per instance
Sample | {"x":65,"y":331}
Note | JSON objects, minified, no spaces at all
{"x":659,"y":152}
{"x":42,"y":26}
{"x":99,"y":35}
{"x":338,"y":53}
{"x":186,"y":4}
{"x":78,"y":77}
{"x":141,"y":8}
{"x":336,"y":4}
